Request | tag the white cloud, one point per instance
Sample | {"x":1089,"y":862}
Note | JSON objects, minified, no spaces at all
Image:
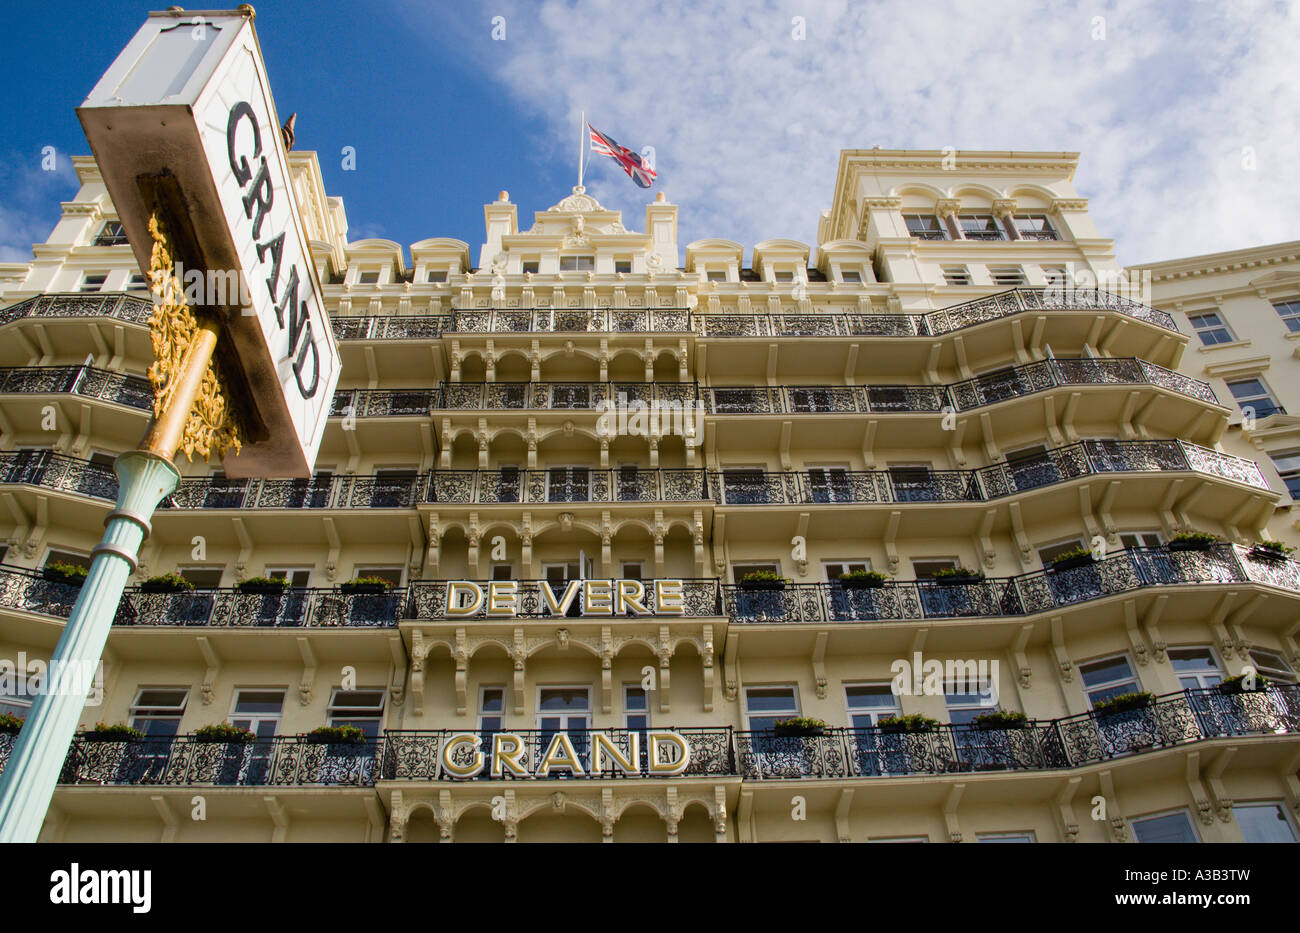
{"x":747,"y":122}
{"x":33,"y":210}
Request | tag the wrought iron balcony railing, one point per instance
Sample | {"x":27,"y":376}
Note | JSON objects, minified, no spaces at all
{"x":1169,"y":721}
{"x":136,"y":310}
{"x":309,"y":607}
{"x":79,"y":380}
{"x":988,"y":389}
{"x":428,"y":599}
{"x":1172,"y":720}
{"x":1026,"y":594}
{"x":563,"y":395}
{"x":417,"y":755}
{"x":566,"y":484}
{"x":284,"y":760}
{"x":1057,"y":465}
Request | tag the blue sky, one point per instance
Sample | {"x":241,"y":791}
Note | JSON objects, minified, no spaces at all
{"x":1185,"y":114}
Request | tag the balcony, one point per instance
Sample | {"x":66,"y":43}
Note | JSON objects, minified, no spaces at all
{"x":389,"y":327}
{"x":85,"y":381}
{"x":428,"y":600}
{"x":295,"y":607}
{"x":417,"y":755}
{"x":1074,"y":741}
{"x":571,"y":321}
{"x":494,"y":487}
{"x":1027,"y":594}
{"x":563,"y":396}
{"x":1058,"y":465}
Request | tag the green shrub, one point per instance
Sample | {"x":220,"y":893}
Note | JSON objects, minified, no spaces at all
{"x":1194,"y":537}
{"x":118,"y":731}
{"x":167,"y":583}
{"x":763,"y":576}
{"x":913,"y":722}
{"x":1237,"y":684}
{"x":1000,"y":719}
{"x":9,"y":724}
{"x":253,"y":583}
{"x":798,"y":725}
{"x":1072,"y":554}
{"x":223,"y":732}
{"x":1123,"y":703}
{"x":332,"y":735}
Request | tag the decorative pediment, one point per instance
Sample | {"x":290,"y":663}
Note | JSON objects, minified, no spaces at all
{"x":579,"y":202}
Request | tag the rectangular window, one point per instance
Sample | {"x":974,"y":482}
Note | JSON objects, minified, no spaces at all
{"x":491,"y":709}
{"x":632,"y":570}
{"x":765,"y":705}
{"x":1005,"y":837}
{"x":623,"y":266}
{"x":963,"y":707}
{"x":258,"y":711}
{"x":1035,"y":227}
{"x":743,"y":486}
{"x":636,"y":707}
{"x":1289,"y":311}
{"x":203,"y":578}
{"x":867,"y":704}
{"x":157,"y":711}
{"x":1211,"y":328}
{"x":1165,"y":827}
{"x":137,"y":283}
{"x":93,"y":281}
{"x":1050,"y":552}
{"x":740,"y":571}
{"x":368,"y":278}
{"x":850,"y":276}
{"x":1007,"y":276}
{"x":836,"y":568}
{"x":563,"y":709}
{"x":577,"y":263}
{"x":436,"y":275}
{"x":1264,"y":822}
{"x":1140,"y":539}
{"x":361,"y":708}
{"x":502,"y":572}
{"x":716,"y":275}
{"x":111,"y":234}
{"x":299,"y":577}
{"x":1272,"y":665}
{"x":785,"y":277}
{"x":899,"y":839}
{"x":830,"y":484}
{"x":1253,"y":397}
{"x":54,"y":556}
{"x":1197,"y":668}
{"x":925,"y":567}
{"x":1288,"y":469}
{"x":391,"y":575}
{"x":980,"y":227}
{"x":956,"y":275}
{"x":1108,"y":677}
{"x":925,"y":226}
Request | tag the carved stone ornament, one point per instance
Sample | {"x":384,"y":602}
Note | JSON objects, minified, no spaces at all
{"x":212,"y":426}
{"x":579,"y":202}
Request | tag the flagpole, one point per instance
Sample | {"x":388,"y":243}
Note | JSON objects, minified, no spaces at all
{"x":582,"y":142}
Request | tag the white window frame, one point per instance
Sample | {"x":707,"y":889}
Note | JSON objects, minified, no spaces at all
{"x":873,"y":713}
{"x":257,"y":719}
{"x":1279,"y":805}
{"x":565,"y":715}
{"x":1207,"y":330}
{"x":1204,"y":677}
{"x":628,"y":711}
{"x":335,"y":713}
{"x":484,"y":713}
{"x":1089,"y":690}
{"x":844,"y":566}
{"x":1146,"y":817}
{"x":794,"y":692}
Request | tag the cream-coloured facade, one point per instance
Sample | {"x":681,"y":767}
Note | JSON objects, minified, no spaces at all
{"x":924,"y":389}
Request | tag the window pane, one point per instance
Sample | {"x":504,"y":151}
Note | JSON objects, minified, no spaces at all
{"x":1104,"y":671}
{"x":769,"y":699}
{"x":1265,"y":822}
{"x":1172,"y":827}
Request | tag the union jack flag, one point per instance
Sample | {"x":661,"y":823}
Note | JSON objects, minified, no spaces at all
{"x":637,"y":168}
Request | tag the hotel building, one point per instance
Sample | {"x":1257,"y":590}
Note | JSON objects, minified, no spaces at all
{"x":932,"y":401}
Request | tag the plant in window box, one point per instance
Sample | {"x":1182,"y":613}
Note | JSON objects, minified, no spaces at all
{"x":1245,"y":683}
{"x":367,"y":585}
{"x":1192,"y":541}
{"x":262,"y":585}
{"x":59,"y":572}
{"x":10,"y":724}
{"x":114,"y":732}
{"x":913,"y":722}
{"x":223,"y":732}
{"x":166,"y":583}
{"x":336,"y":735}
{"x":763,"y":580}
{"x":956,"y":576}
{"x":1124,"y":703}
{"x":1077,"y":557}
{"x":1001,"y":719}
{"x":863,"y":579}
{"x":798,"y":726}
{"x":1270,"y":550}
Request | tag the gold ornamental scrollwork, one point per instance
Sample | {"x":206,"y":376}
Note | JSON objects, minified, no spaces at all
{"x":211,"y":425}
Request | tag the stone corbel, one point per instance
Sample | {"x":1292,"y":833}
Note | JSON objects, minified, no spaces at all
{"x":40,"y":527}
{"x":1065,"y":809}
{"x":427,"y":446}
{"x":308,"y":679}
{"x":1169,"y":523}
{"x":1024,"y":672}
{"x":165,"y":813}
{"x":842,"y":808}
{"x":354,"y":449}
{"x":245,"y":548}
{"x":416,"y":680}
{"x":490,"y":361}
{"x":648,"y":358}
{"x":1216,"y":626}
{"x":783,"y":446}
{"x":868,"y":444}
{"x":1068,"y":414}
{"x":484,"y":438}
{"x":986,"y":540}
{"x":1090,"y":524}
{"x":1035,"y":344}
{"x":730,"y":666}
{"x":950,"y":811}
{"x":279,"y":818}
{"x":1289,"y":644}
{"x":1135,"y":639}
{"x":417,"y":546}
{"x":397,"y":683}
{"x":956,"y":437}
{"x":606,"y":669}
{"x":448,"y":438}
{"x":801,"y":530}
{"x":991,"y":449}
{"x":959,"y":349}
{"x":931,"y":367}
{"x":719,"y":813}
{"x":851,"y":365}
{"x":672,"y":811}
{"x":433,"y":546}
{"x":460,"y":655}
{"x":1214,"y":778}
{"x":1063,"y":662}
{"x":473,"y":537}
{"x":683,"y":361}
{"x":890,"y":538}
{"x":1126,"y":414}
{"x":707,"y":662}
{"x":697,"y":535}
{"x":1026,"y":554}
{"x":519,"y":656}
{"x":1118,"y":825}
{"x":665,"y":655}
{"x":446,"y":817}
{"x":1236,"y":619}
{"x":1018,"y":341}
{"x":1192,"y":775}
{"x":213,"y":662}
{"x":608,"y":816}
{"x":397,"y":818}
{"x":819,"y":663}
{"x":1149,"y":623}
{"x":1103,"y":512}
{"x":332,"y":557}
{"x":719,"y":543}
{"x":1239,"y":516}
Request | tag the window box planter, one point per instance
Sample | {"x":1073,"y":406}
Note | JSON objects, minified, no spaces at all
{"x":958,"y":578}
{"x":117,"y":732}
{"x":1001,"y":720}
{"x":1271,"y":550}
{"x":1236,"y":684}
{"x":1196,"y":541}
{"x":913,"y":723}
{"x":336,"y":735}
{"x":763,"y":581}
{"x":1071,"y":560}
{"x":167,"y":583}
{"x":262,"y":585}
{"x":64,"y":573}
{"x":871,"y":580}
{"x":791,"y":728}
{"x":223,"y":734}
{"x":10,"y":724}
{"x":368,"y":587}
{"x":1124,"y":703}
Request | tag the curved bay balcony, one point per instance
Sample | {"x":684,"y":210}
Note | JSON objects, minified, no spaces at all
{"x":1027,"y":594}
{"x":570,"y":321}
{"x":1172,"y":720}
{"x":565,"y":485}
